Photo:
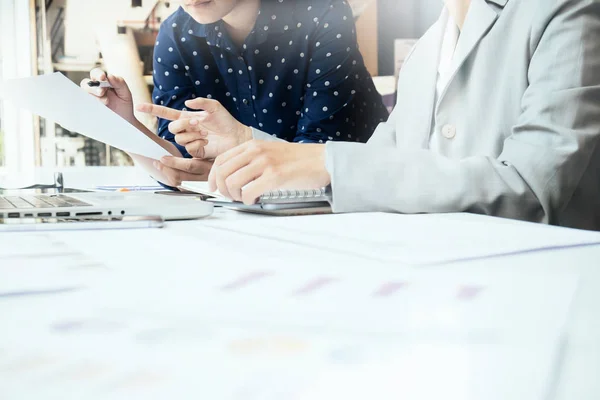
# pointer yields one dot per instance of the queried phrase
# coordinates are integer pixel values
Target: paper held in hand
(57, 99)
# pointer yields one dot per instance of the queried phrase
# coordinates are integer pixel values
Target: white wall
(85, 17)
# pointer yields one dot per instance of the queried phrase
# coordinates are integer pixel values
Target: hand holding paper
(56, 98)
(112, 91)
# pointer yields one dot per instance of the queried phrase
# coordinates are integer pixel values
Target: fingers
(225, 169)
(189, 165)
(98, 74)
(189, 133)
(220, 161)
(186, 125)
(94, 91)
(237, 183)
(256, 188)
(201, 103)
(178, 169)
(197, 149)
(119, 86)
(169, 114)
(186, 138)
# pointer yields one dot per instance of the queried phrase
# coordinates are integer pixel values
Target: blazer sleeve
(542, 162)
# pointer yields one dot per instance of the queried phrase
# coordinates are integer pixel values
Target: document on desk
(170, 323)
(57, 99)
(412, 239)
(106, 361)
(128, 346)
(352, 295)
(40, 264)
(360, 300)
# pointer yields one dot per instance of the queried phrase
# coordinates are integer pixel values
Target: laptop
(47, 205)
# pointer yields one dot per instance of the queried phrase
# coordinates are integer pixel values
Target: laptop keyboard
(39, 201)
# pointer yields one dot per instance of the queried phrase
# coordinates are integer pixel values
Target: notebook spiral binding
(301, 195)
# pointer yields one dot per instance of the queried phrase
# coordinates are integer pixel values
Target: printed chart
(41, 264)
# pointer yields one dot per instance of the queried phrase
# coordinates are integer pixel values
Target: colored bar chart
(246, 280)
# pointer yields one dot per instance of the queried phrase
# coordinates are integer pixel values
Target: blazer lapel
(480, 19)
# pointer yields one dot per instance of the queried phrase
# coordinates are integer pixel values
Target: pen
(98, 84)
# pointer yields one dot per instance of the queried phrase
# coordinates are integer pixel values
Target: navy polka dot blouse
(299, 75)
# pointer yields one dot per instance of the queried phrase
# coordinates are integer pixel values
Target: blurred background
(74, 36)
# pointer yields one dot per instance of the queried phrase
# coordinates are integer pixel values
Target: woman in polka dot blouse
(291, 69)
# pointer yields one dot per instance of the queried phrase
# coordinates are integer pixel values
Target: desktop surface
(174, 260)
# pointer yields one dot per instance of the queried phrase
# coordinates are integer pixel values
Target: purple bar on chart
(246, 280)
(390, 288)
(314, 285)
(87, 326)
(469, 292)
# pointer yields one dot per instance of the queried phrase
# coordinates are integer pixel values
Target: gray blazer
(520, 122)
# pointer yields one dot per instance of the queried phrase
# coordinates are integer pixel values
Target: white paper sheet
(35, 263)
(58, 99)
(73, 346)
(195, 314)
(357, 299)
(229, 364)
(204, 189)
(207, 278)
(413, 239)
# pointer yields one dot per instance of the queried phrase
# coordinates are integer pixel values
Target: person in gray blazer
(498, 113)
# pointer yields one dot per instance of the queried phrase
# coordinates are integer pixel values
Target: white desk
(581, 368)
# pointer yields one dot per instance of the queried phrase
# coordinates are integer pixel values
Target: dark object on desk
(178, 194)
(278, 209)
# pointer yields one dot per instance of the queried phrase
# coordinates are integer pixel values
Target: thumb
(201, 103)
(119, 86)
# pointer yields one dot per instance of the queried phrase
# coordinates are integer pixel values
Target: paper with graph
(134, 348)
(215, 320)
(38, 264)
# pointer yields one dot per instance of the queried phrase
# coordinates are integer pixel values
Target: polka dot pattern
(298, 76)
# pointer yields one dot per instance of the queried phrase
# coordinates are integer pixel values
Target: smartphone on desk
(80, 223)
(278, 209)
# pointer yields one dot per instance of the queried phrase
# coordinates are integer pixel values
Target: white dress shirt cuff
(260, 135)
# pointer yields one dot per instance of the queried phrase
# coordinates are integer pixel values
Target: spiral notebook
(274, 197)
